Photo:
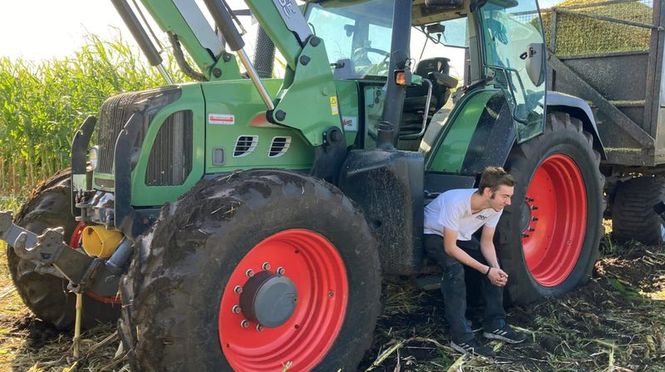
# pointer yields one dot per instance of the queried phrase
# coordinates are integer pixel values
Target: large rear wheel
(259, 270)
(46, 295)
(548, 239)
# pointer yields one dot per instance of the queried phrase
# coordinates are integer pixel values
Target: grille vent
(279, 146)
(245, 145)
(171, 155)
(116, 111)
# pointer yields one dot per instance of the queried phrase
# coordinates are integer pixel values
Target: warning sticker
(333, 105)
(350, 123)
(221, 119)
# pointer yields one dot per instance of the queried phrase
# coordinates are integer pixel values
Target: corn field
(42, 105)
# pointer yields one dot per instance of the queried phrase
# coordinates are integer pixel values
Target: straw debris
(616, 322)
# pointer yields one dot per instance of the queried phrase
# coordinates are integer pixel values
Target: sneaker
(506, 334)
(473, 347)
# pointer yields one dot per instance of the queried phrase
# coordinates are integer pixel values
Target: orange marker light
(401, 78)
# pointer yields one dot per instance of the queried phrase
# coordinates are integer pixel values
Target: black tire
(46, 295)
(633, 217)
(565, 142)
(174, 285)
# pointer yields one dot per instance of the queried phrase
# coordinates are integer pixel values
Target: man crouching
(450, 222)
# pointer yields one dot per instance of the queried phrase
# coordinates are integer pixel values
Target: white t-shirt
(452, 209)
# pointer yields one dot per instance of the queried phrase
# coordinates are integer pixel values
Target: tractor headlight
(92, 157)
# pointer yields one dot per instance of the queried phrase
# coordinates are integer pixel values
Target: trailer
(610, 53)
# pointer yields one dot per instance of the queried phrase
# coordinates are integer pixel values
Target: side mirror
(535, 60)
(435, 28)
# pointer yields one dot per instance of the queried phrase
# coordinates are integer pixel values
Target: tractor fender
(579, 108)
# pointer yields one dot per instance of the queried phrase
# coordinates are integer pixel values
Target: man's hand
(497, 277)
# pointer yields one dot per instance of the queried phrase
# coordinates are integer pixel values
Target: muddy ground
(616, 322)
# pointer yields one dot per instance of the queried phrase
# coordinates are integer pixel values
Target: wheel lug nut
(236, 309)
(534, 219)
(331, 294)
(265, 266)
(531, 229)
(249, 273)
(525, 235)
(237, 289)
(259, 328)
(280, 271)
(244, 323)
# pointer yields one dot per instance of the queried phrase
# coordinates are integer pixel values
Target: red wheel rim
(557, 201)
(75, 242)
(316, 269)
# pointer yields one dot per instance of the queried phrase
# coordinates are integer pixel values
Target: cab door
(512, 47)
(504, 101)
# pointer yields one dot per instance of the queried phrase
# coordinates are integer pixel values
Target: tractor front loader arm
(49, 251)
(308, 76)
(185, 24)
(307, 99)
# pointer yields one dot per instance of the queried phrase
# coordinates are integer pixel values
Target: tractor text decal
(221, 119)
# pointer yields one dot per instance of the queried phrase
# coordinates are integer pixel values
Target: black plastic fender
(579, 108)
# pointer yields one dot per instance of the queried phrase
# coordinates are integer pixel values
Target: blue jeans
(453, 287)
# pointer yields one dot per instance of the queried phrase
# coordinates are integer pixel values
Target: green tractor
(247, 222)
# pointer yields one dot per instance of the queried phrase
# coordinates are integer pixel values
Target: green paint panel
(310, 100)
(450, 151)
(234, 109)
(347, 94)
(143, 195)
(229, 69)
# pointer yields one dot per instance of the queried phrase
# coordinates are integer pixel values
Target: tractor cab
(453, 46)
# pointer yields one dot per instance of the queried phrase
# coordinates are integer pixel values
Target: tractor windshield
(357, 36)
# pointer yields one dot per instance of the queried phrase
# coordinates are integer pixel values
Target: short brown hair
(493, 177)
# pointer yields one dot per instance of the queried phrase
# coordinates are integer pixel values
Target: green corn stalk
(42, 104)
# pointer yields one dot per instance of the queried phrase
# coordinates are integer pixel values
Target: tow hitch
(49, 250)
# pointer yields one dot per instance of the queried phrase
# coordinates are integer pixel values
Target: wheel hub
(268, 299)
(301, 334)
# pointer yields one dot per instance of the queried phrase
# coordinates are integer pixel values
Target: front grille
(171, 155)
(117, 110)
(279, 146)
(245, 145)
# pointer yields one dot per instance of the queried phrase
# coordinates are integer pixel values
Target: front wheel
(547, 240)
(260, 270)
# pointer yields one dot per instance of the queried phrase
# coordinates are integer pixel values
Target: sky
(45, 29)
